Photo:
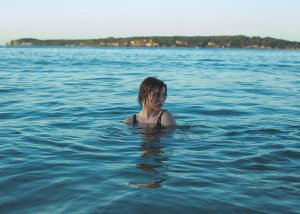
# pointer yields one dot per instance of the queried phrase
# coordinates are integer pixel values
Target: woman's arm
(128, 120)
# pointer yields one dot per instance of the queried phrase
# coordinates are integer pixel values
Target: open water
(64, 148)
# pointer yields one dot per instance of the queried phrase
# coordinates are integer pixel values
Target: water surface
(64, 149)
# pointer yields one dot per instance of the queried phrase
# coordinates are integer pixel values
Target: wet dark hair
(150, 84)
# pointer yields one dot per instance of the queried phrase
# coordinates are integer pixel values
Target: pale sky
(91, 19)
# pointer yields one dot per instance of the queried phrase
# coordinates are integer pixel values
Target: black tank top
(158, 123)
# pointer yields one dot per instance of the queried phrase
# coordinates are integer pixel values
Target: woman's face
(156, 99)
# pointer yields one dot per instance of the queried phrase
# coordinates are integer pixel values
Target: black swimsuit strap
(158, 123)
(134, 119)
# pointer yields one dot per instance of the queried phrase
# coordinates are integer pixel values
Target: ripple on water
(63, 144)
(216, 112)
(269, 131)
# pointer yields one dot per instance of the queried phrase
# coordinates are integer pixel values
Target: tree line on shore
(169, 41)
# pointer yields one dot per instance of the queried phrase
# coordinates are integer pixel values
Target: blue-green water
(64, 149)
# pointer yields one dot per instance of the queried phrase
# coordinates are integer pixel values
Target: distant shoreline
(168, 41)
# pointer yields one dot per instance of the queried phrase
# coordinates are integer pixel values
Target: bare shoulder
(128, 120)
(167, 119)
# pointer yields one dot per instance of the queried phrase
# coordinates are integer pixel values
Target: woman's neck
(148, 112)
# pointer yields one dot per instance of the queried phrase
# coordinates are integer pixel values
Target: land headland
(169, 41)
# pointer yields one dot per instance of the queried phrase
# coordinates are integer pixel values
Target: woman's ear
(149, 98)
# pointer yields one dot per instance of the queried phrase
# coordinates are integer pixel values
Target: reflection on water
(150, 133)
(152, 162)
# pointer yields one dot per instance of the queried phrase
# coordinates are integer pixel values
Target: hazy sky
(81, 19)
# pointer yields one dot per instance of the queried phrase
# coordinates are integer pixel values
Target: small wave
(223, 112)
(9, 90)
(42, 62)
(270, 131)
(5, 90)
(295, 126)
(258, 91)
(283, 65)
(259, 167)
(6, 115)
(259, 163)
(51, 103)
(265, 130)
(233, 133)
(210, 60)
(289, 154)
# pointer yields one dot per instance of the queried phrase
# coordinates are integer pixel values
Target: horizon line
(116, 37)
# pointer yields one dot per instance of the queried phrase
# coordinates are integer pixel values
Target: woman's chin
(158, 107)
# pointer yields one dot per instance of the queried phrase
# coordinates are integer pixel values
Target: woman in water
(152, 95)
